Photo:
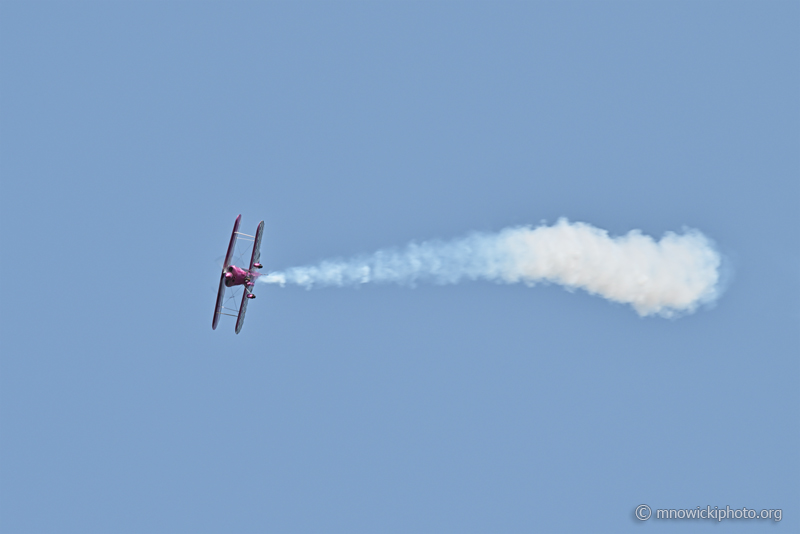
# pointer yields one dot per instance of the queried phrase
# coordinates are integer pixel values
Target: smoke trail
(668, 277)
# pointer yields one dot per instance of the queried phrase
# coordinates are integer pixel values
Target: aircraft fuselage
(234, 276)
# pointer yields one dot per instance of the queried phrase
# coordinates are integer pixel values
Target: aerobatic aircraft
(233, 276)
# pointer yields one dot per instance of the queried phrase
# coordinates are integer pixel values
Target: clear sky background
(133, 134)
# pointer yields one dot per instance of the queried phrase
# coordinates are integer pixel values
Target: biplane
(233, 276)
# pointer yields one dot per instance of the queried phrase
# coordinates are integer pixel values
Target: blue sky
(132, 136)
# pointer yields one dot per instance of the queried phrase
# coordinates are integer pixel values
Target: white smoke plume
(667, 277)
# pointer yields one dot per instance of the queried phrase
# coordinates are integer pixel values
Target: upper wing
(232, 244)
(221, 290)
(257, 245)
(242, 308)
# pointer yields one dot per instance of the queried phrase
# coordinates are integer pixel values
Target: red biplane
(236, 276)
